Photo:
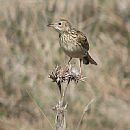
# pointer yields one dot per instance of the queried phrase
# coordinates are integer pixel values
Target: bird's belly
(72, 50)
(74, 54)
(69, 45)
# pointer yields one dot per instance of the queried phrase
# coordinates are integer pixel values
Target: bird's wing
(81, 39)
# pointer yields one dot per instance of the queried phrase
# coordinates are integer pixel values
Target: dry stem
(44, 115)
(83, 114)
(62, 75)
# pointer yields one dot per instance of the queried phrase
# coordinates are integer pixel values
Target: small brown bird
(73, 42)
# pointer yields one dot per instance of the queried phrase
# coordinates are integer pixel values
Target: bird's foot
(82, 78)
(80, 75)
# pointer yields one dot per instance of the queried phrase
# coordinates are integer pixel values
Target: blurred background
(29, 51)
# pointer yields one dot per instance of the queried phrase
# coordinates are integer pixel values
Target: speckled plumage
(73, 42)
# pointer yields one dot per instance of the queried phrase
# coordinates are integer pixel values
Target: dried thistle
(64, 74)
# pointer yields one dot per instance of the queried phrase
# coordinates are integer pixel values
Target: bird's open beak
(50, 25)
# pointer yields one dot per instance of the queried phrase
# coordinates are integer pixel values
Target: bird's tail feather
(88, 59)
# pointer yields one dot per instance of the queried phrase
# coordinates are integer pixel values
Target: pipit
(73, 42)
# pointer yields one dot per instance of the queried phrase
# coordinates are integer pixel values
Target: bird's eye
(59, 23)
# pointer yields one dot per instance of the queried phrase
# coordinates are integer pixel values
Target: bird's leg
(80, 64)
(69, 60)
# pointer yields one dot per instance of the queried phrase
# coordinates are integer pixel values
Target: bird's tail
(88, 59)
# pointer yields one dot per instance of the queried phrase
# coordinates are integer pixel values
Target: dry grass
(29, 50)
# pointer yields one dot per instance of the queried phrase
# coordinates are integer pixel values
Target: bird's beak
(50, 25)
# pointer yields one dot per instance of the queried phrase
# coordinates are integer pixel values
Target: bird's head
(61, 26)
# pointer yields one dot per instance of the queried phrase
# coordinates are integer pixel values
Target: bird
(73, 42)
